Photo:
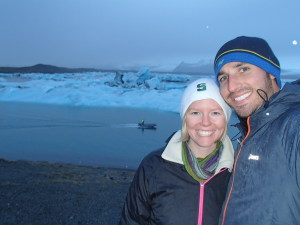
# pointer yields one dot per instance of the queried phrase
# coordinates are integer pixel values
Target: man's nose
(234, 83)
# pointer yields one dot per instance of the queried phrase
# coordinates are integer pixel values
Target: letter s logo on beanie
(201, 87)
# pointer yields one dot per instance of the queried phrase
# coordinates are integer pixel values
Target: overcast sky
(118, 33)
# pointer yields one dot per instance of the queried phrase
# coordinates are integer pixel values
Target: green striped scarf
(201, 169)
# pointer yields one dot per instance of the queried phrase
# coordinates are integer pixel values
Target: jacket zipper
(201, 199)
(233, 173)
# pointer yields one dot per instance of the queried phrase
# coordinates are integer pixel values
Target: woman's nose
(206, 120)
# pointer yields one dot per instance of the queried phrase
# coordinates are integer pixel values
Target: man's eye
(222, 78)
(244, 69)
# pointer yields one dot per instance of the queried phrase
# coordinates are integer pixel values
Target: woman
(185, 182)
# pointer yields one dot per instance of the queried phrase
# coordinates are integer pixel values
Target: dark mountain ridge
(42, 68)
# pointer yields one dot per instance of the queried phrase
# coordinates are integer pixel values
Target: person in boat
(185, 182)
(144, 125)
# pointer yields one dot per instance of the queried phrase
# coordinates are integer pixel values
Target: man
(265, 184)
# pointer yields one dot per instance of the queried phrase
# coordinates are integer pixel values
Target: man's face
(239, 83)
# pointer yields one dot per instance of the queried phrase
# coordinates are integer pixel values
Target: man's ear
(272, 76)
(274, 83)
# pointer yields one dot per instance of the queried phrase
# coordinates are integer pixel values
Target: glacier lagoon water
(96, 136)
(92, 136)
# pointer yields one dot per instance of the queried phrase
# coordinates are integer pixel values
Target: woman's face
(205, 124)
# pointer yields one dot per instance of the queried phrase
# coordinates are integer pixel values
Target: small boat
(147, 125)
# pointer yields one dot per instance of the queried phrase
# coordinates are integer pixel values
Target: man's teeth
(242, 97)
(205, 133)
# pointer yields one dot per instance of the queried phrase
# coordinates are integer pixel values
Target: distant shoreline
(50, 69)
(42, 68)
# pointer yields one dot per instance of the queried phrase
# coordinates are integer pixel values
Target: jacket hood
(172, 152)
(288, 95)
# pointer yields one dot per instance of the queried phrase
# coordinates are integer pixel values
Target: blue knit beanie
(251, 50)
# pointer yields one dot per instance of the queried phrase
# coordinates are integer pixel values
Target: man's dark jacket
(265, 185)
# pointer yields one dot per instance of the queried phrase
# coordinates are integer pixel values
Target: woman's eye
(216, 113)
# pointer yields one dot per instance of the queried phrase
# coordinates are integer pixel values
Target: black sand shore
(42, 193)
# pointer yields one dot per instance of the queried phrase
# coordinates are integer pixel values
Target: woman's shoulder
(151, 163)
(153, 157)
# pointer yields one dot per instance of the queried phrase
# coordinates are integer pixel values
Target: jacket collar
(279, 103)
(172, 152)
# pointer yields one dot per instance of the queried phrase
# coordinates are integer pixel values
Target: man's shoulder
(293, 86)
(292, 113)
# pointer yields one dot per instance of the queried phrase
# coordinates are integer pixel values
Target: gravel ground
(42, 193)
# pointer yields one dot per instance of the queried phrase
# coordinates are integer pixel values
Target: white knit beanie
(203, 89)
